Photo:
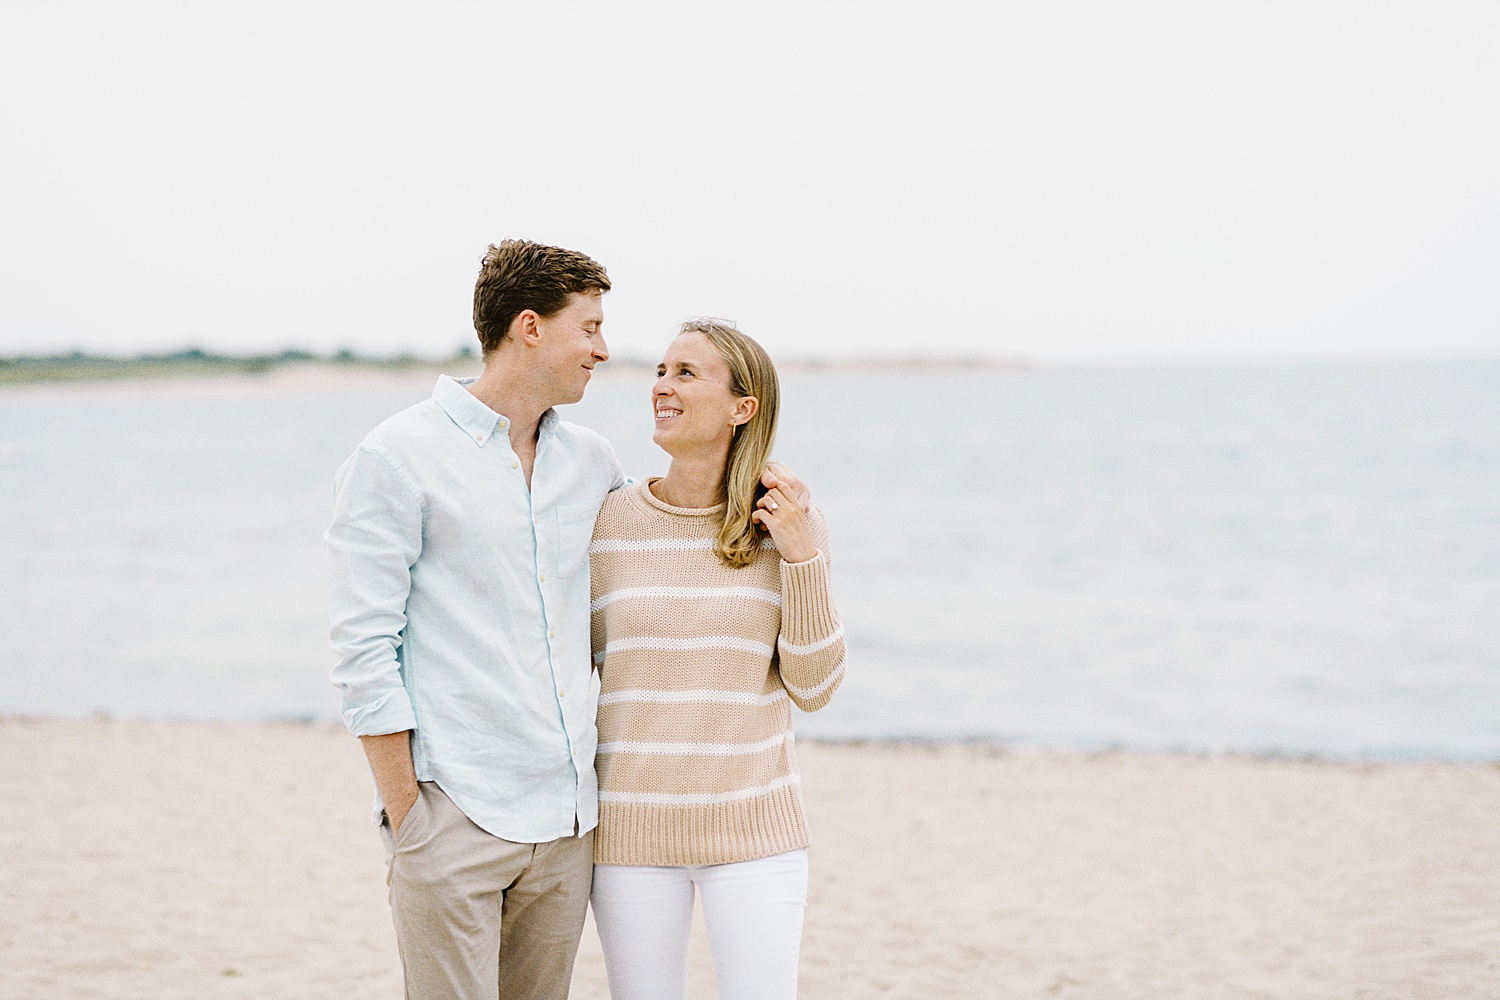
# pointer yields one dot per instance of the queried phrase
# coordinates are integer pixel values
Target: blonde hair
(751, 373)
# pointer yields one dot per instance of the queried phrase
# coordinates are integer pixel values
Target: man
(460, 614)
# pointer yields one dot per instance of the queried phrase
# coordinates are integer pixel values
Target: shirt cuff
(390, 713)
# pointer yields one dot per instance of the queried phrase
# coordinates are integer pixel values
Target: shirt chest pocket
(574, 529)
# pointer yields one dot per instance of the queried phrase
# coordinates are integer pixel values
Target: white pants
(753, 911)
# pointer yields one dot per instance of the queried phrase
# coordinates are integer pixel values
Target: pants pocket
(402, 837)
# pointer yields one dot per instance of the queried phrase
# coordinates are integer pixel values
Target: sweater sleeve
(810, 647)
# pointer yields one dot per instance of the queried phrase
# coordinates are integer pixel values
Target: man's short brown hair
(517, 275)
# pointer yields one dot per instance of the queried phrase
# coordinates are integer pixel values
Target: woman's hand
(785, 519)
(777, 475)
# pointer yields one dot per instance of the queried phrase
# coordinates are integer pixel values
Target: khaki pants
(481, 918)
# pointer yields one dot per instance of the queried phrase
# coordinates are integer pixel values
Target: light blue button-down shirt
(460, 607)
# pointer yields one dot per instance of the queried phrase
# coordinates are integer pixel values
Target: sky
(1055, 182)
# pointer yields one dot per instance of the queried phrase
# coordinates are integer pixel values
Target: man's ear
(526, 328)
(744, 410)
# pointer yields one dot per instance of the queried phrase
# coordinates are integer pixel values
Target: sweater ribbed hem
(641, 834)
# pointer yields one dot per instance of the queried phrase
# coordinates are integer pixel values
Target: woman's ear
(744, 410)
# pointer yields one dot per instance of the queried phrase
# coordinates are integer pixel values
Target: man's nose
(601, 350)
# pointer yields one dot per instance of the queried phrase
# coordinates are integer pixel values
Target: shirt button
(542, 577)
(479, 437)
(514, 464)
(562, 694)
(552, 635)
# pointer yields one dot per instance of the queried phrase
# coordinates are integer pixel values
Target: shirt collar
(476, 420)
(472, 417)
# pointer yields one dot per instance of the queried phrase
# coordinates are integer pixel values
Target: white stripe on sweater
(698, 642)
(694, 749)
(812, 647)
(746, 698)
(685, 594)
(665, 799)
(658, 544)
(809, 693)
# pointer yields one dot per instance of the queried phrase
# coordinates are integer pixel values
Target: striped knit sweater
(699, 665)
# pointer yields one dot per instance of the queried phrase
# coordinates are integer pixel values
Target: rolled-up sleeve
(374, 540)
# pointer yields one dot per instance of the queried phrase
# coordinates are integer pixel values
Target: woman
(711, 615)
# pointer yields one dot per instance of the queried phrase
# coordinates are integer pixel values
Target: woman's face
(696, 410)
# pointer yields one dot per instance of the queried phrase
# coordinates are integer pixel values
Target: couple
(468, 621)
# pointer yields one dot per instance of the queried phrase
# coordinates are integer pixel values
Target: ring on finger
(773, 506)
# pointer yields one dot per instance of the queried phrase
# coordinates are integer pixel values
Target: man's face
(572, 343)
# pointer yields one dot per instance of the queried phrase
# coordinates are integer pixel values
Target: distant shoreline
(81, 367)
(343, 367)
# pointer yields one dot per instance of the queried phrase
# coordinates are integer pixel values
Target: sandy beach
(157, 860)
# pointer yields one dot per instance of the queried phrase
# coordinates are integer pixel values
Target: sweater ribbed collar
(651, 498)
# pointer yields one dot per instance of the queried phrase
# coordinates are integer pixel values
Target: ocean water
(1298, 558)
